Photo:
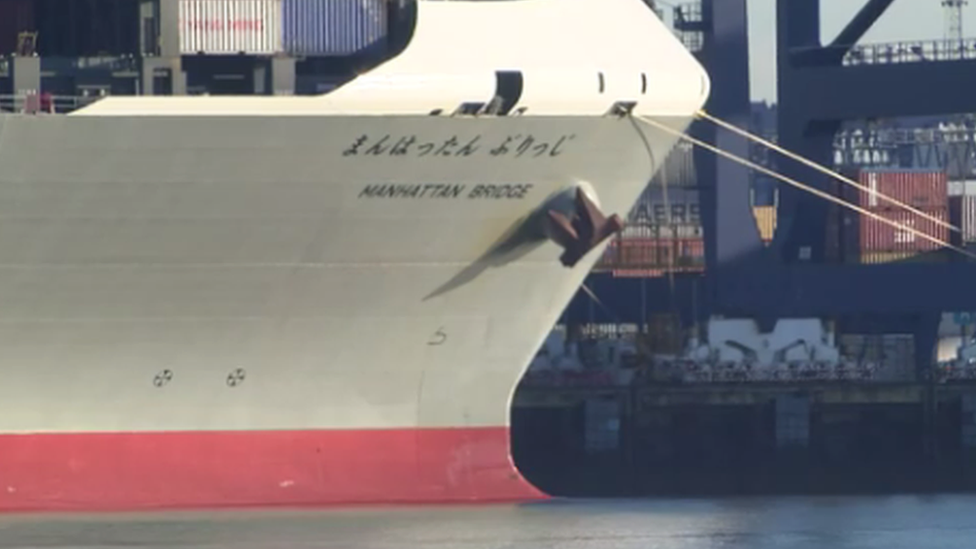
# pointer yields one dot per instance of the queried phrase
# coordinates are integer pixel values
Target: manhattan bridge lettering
(442, 191)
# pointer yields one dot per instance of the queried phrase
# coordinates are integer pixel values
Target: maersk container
(16, 16)
(332, 28)
(917, 188)
(878, 236)
(229, 27)
(676, 206)
(676, 254)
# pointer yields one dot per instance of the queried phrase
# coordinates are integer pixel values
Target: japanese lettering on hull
(513, 146)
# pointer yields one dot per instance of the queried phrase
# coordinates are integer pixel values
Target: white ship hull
(201, 310)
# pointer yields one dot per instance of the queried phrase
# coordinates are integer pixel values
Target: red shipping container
(654, 253)
(654, 273)
(16, 16)
(917, 188)
(878, 236)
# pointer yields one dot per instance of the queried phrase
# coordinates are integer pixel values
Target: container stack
(663, 234)
(332, 27)
(298, 28)
(879, 242)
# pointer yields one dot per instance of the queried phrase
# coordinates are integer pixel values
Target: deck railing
(921, 51)
(43, 103)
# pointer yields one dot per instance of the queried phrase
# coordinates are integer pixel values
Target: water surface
(898, 522)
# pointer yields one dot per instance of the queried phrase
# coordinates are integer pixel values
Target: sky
(904, 20)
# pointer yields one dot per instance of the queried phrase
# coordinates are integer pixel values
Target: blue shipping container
(332, 27)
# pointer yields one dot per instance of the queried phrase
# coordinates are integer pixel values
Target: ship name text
(512, 146)
(443, 191)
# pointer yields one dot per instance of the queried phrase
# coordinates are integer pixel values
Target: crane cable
(823, 169)
(802, 186)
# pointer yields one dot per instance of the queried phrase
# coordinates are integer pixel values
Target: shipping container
(229, 27)
(16, 16)
(956, 188)
(968, 217)
(651, 231)
(962, 188)
(666, 206)
(766, 221)
(652, 273)
(875, 258)
(333, 27)
(667, 254)
(917, 188)
(877, 236)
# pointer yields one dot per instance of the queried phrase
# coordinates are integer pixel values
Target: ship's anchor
(583, 231)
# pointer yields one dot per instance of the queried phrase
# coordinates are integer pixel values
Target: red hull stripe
(205, 469)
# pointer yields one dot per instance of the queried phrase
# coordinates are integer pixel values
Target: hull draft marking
(439, 338)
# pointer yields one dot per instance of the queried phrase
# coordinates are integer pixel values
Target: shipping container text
(658, 214)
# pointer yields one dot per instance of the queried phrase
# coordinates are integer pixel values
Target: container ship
(225, 301)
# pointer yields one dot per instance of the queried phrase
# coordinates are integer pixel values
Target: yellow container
(766, 221)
